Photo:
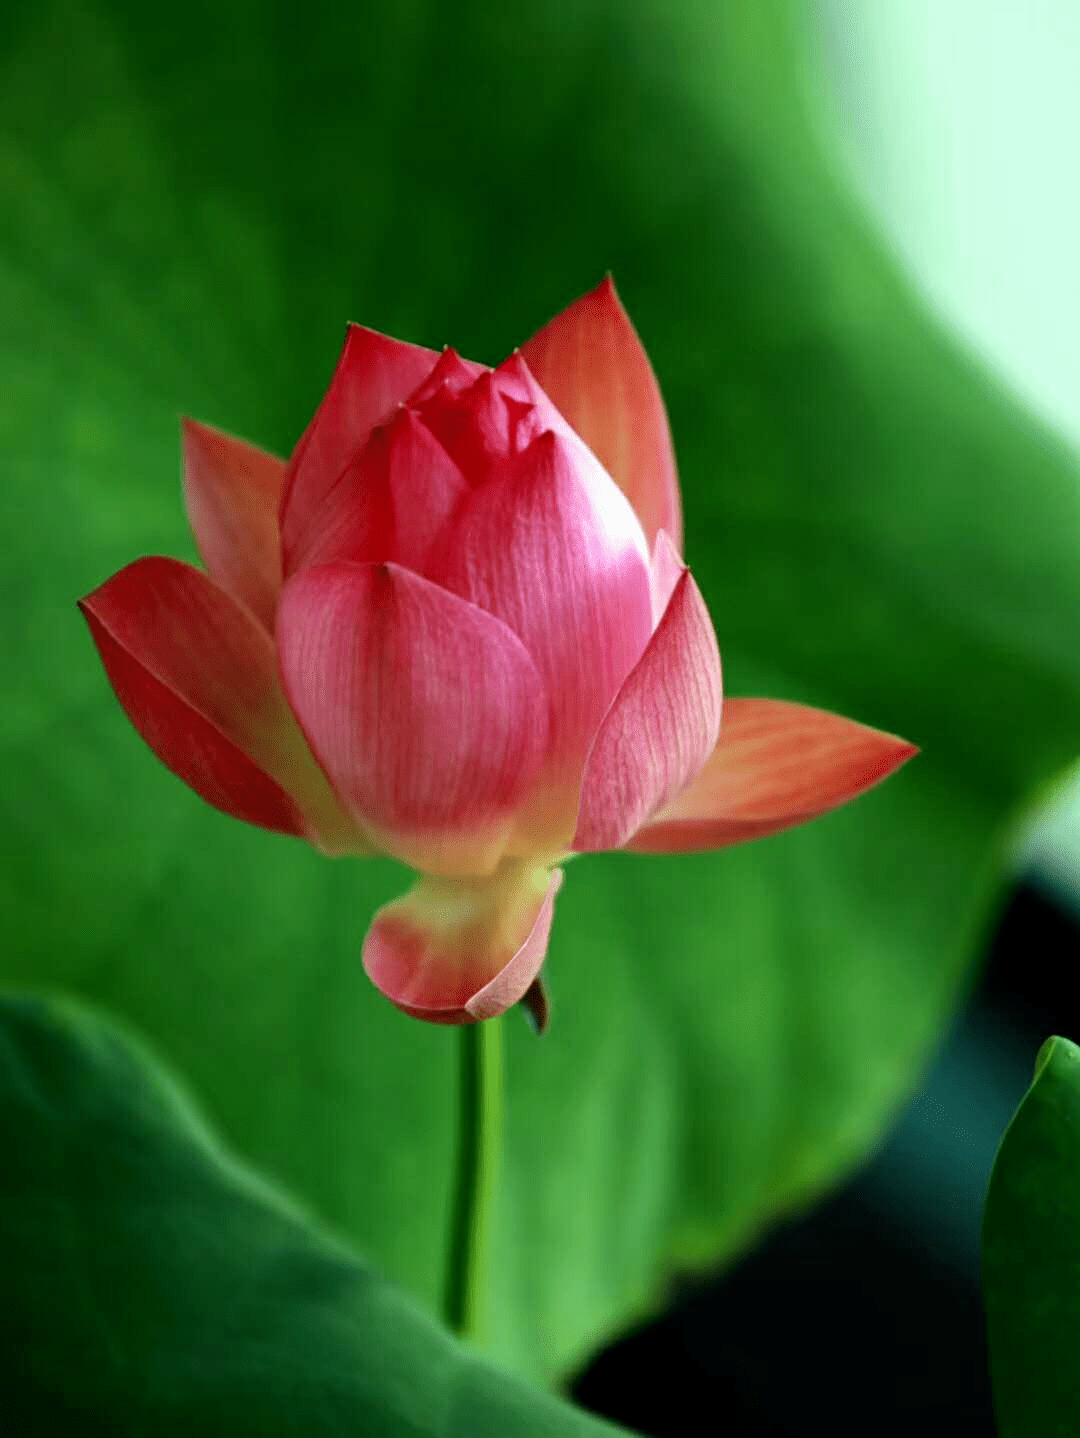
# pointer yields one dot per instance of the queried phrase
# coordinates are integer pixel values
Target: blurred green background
(193, 204)
(956, 125)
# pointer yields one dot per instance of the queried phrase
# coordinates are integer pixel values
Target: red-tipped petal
(427, 714)
(591, 362)
(454, 952)
(476, 426)
(197, 677)
(451, 374)
(373, 374)
(555, 551)
(392, 503)
(232, 491)
(660, 729)
(776, 765)
(496, 415)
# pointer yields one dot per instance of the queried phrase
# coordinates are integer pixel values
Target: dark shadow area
(866, 1312)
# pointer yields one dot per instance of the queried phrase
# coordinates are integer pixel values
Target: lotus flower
(455, 628)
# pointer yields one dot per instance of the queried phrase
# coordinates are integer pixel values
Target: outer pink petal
(776, 765)
(427, 714)
(590, 361)
(197, 677)
(392, 503)
(552, 548)
(373, 374)
(453, 952)
(660, 729)
(232, 491)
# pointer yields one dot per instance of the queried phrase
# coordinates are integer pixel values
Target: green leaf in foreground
(150, 1284)
(1031, 1255)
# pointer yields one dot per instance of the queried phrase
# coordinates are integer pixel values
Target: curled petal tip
(455, 951)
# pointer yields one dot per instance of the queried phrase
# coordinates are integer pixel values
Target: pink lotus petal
(519, 386)
(554, 550)
(489, 420)
(660, 729)
(455, 951)
(776, 765)
(427, 714)
(666, 571)
(392, 504)
(373, 374)
(590, 361)
(232, 491)
(451, 375)
(447, 402)
(197, 677)
(475, 426)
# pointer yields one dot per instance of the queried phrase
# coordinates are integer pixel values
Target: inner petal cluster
(530, 603)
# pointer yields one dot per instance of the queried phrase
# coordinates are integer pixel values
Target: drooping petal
(456, 951)
(777, 764)
(660, 729)
(232, 491)
(591, 362)
(428, 714)
(373, 374)
(391, 504)
(553, 549)
(197, 677)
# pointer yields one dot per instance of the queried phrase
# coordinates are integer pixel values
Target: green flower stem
(480, 1050)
